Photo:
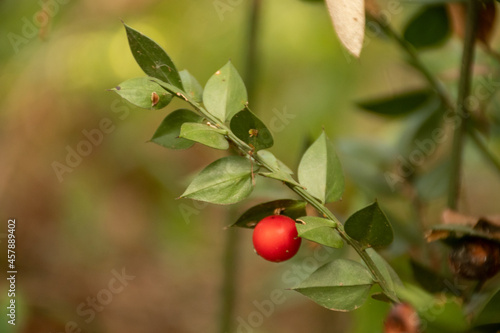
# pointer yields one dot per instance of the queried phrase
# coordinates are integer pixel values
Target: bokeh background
(115, 210)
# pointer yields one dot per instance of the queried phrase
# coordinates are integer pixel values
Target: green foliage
(370, 227)
(144, 93)
(400, 104)
(341, 285)
(430, 27)
(287, 207)
(152, 59)
(319, 230)
(251, 130)
(225, 93)
(204, 134)
(225, 181)
(167, 134)
(320, 171)
(191, 86)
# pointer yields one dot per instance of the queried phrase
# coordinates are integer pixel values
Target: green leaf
(251, 130)
(270, 159)
(152, 59)
(319, 230)
(167, 134)
(225, 181)
(370, 227)
(320, 171)
(287, 207)
(205, 134)
(144, 93)
(191, 86)
(428, 28)
(387, 272)
(225, 93)
(341, 285)
(489, 312)
(441, 313)
(400, 104)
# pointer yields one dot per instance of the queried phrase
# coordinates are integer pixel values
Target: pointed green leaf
(225, 93)
(281, 176)
(251, 130)
(319, 230)
(387, 272)
(225, 181)
(341, 285)
(400, 104)
(191, 86)
(144, 93)
(270, 159)
(320, 171)
(428, 28)
(370, 227)
(167, 134)
(152, 59)
(204, 134)
(287, 207)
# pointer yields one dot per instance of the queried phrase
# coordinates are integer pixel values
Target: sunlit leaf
(167, 134)
(320, 171)
(152, 59)
(251, 130)
(319, 230)
(348, 18)
(287, 207)
(204, 134)
(225, 93)
(144, 93)
(191, 86)
(370, 227)
(225, 181)
(341, 285)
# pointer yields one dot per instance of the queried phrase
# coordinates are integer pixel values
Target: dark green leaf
(144, 93)
(397, 105)
(428, 28)
(191, 86)
(287, 207)
(225, 181)
(489, 312)
(251, 130)
(319, 230)
(320, 171)
(152, 59)
(370, 227)
(225, 93)
(341, 285)
(204, 134)
(167, 134)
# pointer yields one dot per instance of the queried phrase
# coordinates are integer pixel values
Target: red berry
(275, 238)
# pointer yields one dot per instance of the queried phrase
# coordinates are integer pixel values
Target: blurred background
(102, 243)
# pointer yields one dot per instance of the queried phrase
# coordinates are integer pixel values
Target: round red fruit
(275, 238)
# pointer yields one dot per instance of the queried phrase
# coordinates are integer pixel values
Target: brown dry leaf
(348, 17)
(486, 20)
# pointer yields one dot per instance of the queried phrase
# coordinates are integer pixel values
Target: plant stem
(484, 149)
(461, 111)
